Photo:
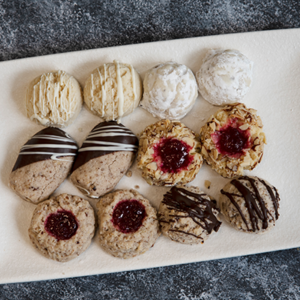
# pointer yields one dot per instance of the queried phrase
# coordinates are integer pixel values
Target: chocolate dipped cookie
(103, 159)
(43, 164)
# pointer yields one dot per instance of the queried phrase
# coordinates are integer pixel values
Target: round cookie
(225, 76)
(250, 204)
(187, 215)
(113, 90)
(103, 159)
(233, 140)
(168, 154)
(170, 91)
(54, 99)
(44, 162)
(128, 224)
(62, 227)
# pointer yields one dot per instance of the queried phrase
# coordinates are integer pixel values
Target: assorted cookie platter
(198, 169)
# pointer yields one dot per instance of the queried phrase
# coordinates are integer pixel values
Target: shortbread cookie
(225, 76)
(250, 204)
(103, 159)
(128, 223)
(168, 154)
(187, 215)
(233, 140)
(113, 90)
(62, 227)
(170, 91)
(54, 99)
(44, 162)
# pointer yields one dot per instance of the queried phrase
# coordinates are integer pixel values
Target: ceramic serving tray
(275, 94)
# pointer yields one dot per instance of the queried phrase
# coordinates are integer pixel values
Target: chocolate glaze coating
(106, 138)
(49, 143)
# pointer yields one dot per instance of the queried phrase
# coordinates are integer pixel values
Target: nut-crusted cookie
(168, 154)
(233, 140)
(250, 204)
(62, 227)
(44, 162)
(103, 159)
(187, 215)
(128, 223)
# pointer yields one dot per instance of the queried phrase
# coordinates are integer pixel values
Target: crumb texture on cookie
(170, 91)
(44, 162)
(250, 204)
(233, 140)
(187, 215)
(54, 99)
(168, 154)
(113, 90)
(225, 76)
(103, 159)
(130, 233)
(51, 228)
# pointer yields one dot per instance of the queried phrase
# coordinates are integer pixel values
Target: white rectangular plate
(275, 94)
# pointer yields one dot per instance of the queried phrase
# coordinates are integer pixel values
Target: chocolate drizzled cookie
(250, 204)
(105, 156)
(188, 215)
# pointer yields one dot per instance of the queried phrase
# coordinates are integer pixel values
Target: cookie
(250, 204)
(128, 224)
(168, 154)
(62, 227)
(54, 99)
(233, 140)
(103, 159)
(44, 162)
(225, 76)
(170, 91)
(187, 215)
(113, 90)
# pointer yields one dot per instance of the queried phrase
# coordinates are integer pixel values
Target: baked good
(170, 91)
(103, 159)
(225, 76)
(128, 224)
(44, 162)
(250, 204)
(187, 215)
(233, 140)
(62, 227)
(168, 154)
(113, 90)
(54, 99)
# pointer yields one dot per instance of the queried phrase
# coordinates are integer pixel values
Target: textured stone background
(33, 28)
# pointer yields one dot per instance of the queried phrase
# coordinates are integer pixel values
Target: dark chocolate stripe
(254, 202)
(106, 138)
(199, 209)
(49, 143)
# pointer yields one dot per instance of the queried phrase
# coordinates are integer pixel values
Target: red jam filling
(232, 141)
(62, 225)
(128, 216)
(172, 155)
